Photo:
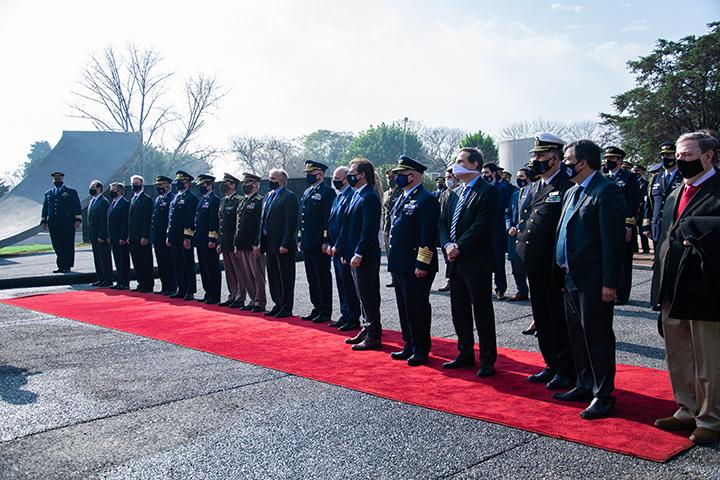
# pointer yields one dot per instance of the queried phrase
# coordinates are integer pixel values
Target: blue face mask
(311, 178)
(403, 180)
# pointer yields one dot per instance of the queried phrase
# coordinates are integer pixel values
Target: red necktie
(689, 192)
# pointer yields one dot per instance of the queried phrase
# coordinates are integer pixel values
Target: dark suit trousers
(281, 280)
(143, 262)
(592, 339)
(209, 265)
(103, 261)
(623, 292)
(413, 302)
(317, 269)
(548, 309)
(367, 287)
(184, 261)
(121, 255)
(166, 267)
(471, 298)
(63, 241)
(349, 303)
(500, 278)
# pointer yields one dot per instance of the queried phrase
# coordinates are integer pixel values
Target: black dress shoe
(599, 408)
(283, 314)
(321, 319)
(170, 293)
(357, 338)
(242, 307)
(460, 362)
(201, 300)
(226, 303)
(177, 295)
(309, 316)
(96, 284)
(337, 323)
(273, 311)
(390, 285)
(574, 395)
(59, 270)
(114, 287)
(529, 331)
(189, 297)
(401, 355)
(485, 371)
(122, 287)
(559, 381)
(417, 360)
(105, 284)
(368, 344)
(543, 376)
(258, 309)
(212, 301)
(347, 326)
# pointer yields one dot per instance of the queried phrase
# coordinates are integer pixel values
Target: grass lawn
(35, 248)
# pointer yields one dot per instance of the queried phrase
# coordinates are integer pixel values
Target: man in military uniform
(158, 235)
(639, 172)
(61, 215)
(252, 264)
(491, 174)
(227, 225)
(661, 186)
(315, 206)
(205, 239)
(181, 227)
(412, 259)
(389, 198)
(631, 190)
(538, 219)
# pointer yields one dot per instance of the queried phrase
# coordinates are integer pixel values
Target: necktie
(688, 193)
(561, 247)
(92, 202)
(266, 211)
(456, 213)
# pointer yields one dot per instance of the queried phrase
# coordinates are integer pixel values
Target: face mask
(160, 190)
(460, 170)
(521, 182)
(488, 178)
(402, 180)
(180, 185)
(668, 162)
(58, 183)
(113, 194)
(248, 189)
(273, 184)
(541, 166)
(137, 188)
(638, 175)
(450, 183)
(441, 186)
(352, 180)
(338, 184)
(311, 178)
(206, 188)
(392, 182)
(570, 170)
(690, 168)
(224, 188)
(611, 164)
(93, 191)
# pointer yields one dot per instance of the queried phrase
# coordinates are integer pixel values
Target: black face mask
(58, 183)
(352, 180)
(690, 168)
(611, 164)
(224, 188)
(541, 166)
(311, 178)
(273, 184)
(137, 188)
(391, 181)
(206, 188)
(669, 162)
(180, 185)
(521, 182)
(160, 190)
(113, 194)
(441, 186)
(93, 191)
(488, 178)
(338, 184)
(570, 170)
(402, 180)
(248, 189)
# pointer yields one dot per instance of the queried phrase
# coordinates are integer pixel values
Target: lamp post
(405, 120)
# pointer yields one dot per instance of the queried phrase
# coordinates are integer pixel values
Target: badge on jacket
(553, 197)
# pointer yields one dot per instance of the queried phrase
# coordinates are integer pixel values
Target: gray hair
(283, 174)
(705, 142)
(344, 170)
(119, 186)
(97, 183)
(137, 177)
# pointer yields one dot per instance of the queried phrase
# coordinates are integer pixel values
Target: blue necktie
(561, 247)
(456, 213)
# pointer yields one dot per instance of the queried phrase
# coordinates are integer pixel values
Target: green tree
(677, 91)
(4, 188)
(326, 146)
(158, 161)
(383, 144)
(484, 143)
(38, 151)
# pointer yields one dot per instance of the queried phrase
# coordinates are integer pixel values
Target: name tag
(316, 196)
(553, 197)
(250, 206)
(621, 183)
(181, 202)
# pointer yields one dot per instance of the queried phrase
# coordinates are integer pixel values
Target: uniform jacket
(628, 183)
(61, 208)
(315, 206)
(361, 226)
(247, 229)
(337, 213)
(159, 222)
(388, 201)
(658, 193)
(118, 220)
(227, 217)
(206, 220)
(280, 222)
(687, 275)
(499, 231)
(643, 185)
(97, 224)
(181, 217)
(596, 235)
(139, 218)
(414, 232)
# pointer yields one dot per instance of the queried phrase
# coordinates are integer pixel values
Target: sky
(294, 66)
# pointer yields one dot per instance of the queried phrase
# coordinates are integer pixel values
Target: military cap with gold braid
(162, 179)
(667, 148)
(229, 178)
(311, 165)
(250, 177)
(204, 178)
(59, 175)
(547, 141)
(180, 175)
(614, 152)
(407, 163)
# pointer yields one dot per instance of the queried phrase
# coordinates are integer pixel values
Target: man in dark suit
(466, 232)
(448, 199)
(180, 231)
(359, 246)
(490, 175)
(349, 303)
(139, 221)
(205, 239)
(97, 228)
(277, 239)
(227, 227)
(118, 233)
(252, 262)
(412, 259)
(61, 215)
(537, 226)
(688, 290)
(158, 235)
(631, 190)
(589, 248)
(315, 204)
(639, 171)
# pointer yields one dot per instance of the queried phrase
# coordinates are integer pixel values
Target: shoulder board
(258, 197)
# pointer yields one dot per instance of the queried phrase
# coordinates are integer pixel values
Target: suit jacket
(341, 202)
(181, 217)
(140, 218)
(361, 226)
(414, 233)
(596, 235)
(315, 204)
(118, 220)
(97, 222)
(538, 221)
(61, 208)
(206, 220)
(247, 230)
(692, 292)
(279, 224)
(499, 232)
(474, 229)
(628, 183)
(159, 221)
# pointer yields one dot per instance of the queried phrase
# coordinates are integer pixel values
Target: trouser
(209, 265)
(317, 269)
(518, 273)
(62, 237)
(102, 257)
(281, 280)
(184, 268)
(252, 271)
(623, 292)
(500, 244)
(592, 339)
(143, 262)
(366, 279)
(694, 367)
(548, 309)
(414, 310)
(121, 255)
(471, 301)
(166, 267)
(645, 243)
(349, 303)
(233, 278)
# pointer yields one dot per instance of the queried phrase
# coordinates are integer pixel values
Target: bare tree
(260, 154)
(603, 135)
(440, 144)
(527, 129)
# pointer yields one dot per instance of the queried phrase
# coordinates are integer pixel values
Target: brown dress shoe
(673, 424)
(357, 338)
(703, 436)
(500, 296)
(518, 298)
(368, 344)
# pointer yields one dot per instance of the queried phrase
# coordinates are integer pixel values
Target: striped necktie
(456, 213)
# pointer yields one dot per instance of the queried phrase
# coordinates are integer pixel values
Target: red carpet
(318, 352)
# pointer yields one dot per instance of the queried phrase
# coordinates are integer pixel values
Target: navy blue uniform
(118, 230)
(500, 236)
(158, 236)
(660, 188)
(181, 226)
(413, 245)
(315, 206)
(349, 303)
(60, 211)
(206, 230)
(628, 183)
(512, 220)
(643, 184)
